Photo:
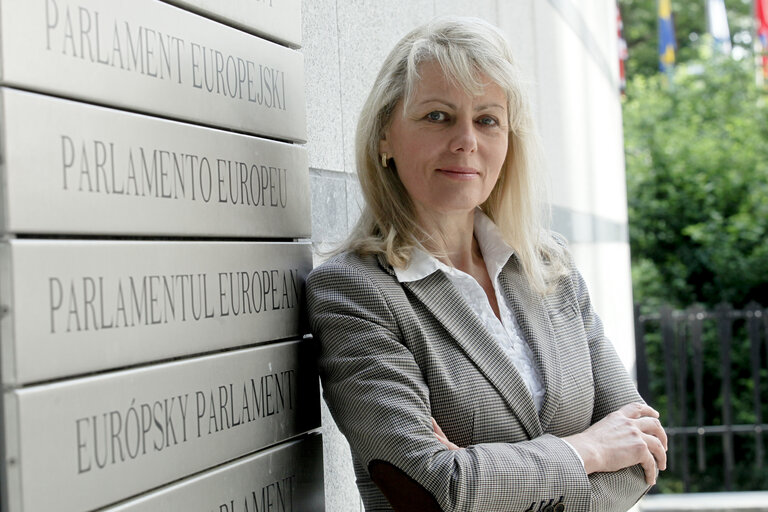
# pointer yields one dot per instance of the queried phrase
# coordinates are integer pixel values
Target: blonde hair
(464, 48)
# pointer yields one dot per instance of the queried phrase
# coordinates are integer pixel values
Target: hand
(632, 435)
(441, 436)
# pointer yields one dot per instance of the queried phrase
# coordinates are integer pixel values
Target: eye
(436, 116)
(488, 121)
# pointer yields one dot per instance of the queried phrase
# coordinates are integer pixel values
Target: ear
(384, 145)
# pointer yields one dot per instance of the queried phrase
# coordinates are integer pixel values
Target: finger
(441, 436)
(653, 427)
(437, 428)
(657, 450)
(444, 440)
(649, 467)
(663, 438)
(638, 410)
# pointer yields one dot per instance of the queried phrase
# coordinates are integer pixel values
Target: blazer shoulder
(560, 249)
(351, 273)
(568, 283)
(346, 264)
(353, 285)
(559, 239)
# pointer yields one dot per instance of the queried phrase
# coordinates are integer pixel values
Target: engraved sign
(75, 168)
(90, 442)
(286, 478)
(274, 19)
(153, 57)
(79, 306)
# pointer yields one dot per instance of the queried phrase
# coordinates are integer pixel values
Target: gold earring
(384, 160)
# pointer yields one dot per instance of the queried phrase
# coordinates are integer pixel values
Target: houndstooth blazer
(393, 354)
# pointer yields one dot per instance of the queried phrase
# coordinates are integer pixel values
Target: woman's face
(449, 146)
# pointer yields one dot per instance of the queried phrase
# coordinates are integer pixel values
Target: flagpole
(667, 44)
(757, 47)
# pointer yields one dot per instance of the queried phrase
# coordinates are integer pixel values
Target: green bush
(697, 185)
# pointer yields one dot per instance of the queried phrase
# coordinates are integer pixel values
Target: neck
(452, 237)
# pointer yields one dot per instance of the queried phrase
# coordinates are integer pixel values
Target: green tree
(697, 181)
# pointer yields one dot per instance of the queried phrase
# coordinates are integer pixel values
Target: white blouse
(496, 252)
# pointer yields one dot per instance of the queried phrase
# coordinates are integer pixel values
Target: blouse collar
(496, 252)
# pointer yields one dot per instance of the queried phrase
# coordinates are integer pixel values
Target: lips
(459, 172)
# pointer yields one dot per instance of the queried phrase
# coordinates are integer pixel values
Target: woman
(460, 355)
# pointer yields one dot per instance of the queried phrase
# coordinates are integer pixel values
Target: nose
(463, 137)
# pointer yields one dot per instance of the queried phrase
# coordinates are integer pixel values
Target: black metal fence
(707, 374)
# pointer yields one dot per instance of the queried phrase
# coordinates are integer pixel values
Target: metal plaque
(86, 443)
(152, 57)
(79, 306)
(274, 19)
(286, 478)
(75, 168)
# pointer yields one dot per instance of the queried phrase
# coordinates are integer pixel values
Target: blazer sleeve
(379, 399)
(620, 490)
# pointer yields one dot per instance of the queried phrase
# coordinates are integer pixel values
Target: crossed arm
(381, 402)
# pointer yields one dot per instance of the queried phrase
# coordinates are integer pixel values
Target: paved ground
(706, 502)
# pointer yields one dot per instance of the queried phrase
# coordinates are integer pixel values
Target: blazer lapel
(443, 300)
(531, 314)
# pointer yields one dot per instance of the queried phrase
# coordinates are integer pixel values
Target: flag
(623, 53)
(761, 14)
(667, 43)
(717, 24)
